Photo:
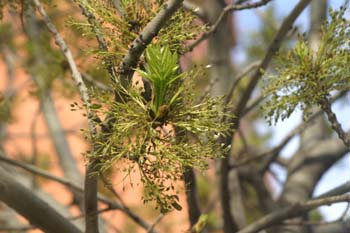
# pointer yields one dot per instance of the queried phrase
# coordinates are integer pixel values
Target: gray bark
(30, 206)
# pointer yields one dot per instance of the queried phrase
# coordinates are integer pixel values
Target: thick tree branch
(129, 62)
(292, 211)
(307, 167)
(240, 107)
(72, 185)
(32, 207)
(195, 9)
(191, 196)
(341, 189)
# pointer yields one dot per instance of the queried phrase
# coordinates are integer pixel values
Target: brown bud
(163, 111)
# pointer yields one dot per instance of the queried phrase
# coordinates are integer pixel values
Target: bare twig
(343, 216)
(308, 223)
(226, 10)
(158, 219)
(38, 171)
(239, 77)
(69, 184)
(90, 180)
(96, 83)
(272, 154)
(99, 37)
(111, 189)
(106, 209)
(332, 118)
(240, 107)
(255, 102)
(272, 49)
(73, 67)
(341, 189)
(292, 211)
(207, 89)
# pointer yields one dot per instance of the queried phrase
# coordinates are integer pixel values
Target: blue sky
(248, 21)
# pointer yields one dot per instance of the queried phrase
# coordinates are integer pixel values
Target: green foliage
(5, 108)
(12, 4)
(160, 150)
(305, 77)
(201, 224)
(6, 35)
(162, 71)
(121, 24)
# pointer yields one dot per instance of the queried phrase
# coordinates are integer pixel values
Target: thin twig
(96, 83)
(255, 102)
(344, 214)
(332, 118)
(272, 49)
(90, 181)
(239, 77)
(71, 185)
(73, 67)
(244, 141)
(111, 189)
(99, 37)
(241, 104)
(158, 219)
(103, 210)
(226, 10)
(274, 152)
(207, 89)
(308, 223)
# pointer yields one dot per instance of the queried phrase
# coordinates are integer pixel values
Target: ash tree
(177, 128)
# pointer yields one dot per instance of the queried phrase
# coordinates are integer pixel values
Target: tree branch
(273, 48)
(341, 189)
(129, 62)
(69, 184)
(226, 10)
(194, 211)
(332, 118)
(90, 181)
(292, 211)
(240, 107)
(99, 37)
(32, 207)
